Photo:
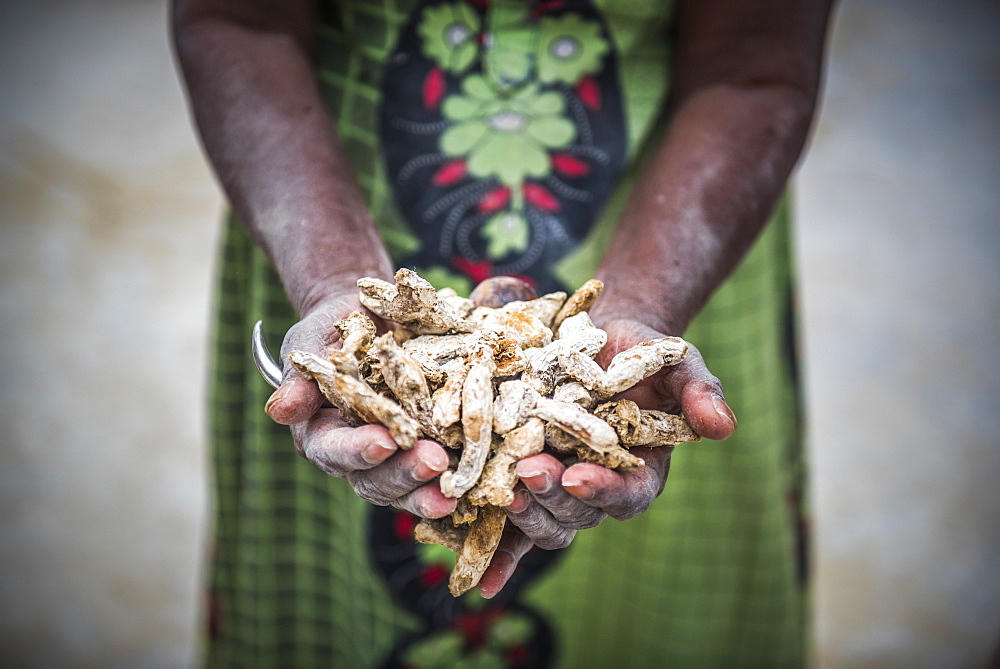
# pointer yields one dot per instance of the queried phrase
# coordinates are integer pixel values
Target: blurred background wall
(108, 221)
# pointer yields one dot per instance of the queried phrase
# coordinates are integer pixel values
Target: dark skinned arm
(247, 65)
(744, 91)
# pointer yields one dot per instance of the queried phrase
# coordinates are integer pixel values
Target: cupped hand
(552, 502)
(367, 456)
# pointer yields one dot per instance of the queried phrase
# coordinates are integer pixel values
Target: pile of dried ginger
(495, 385)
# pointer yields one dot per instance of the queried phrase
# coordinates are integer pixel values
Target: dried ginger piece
(524, 328)
(477, 423)
(406, 380)
(577, 333)
(412, 302)
(442, 349)
(573, 392)
(582, 300)
(513, 401)
(575, 420)
(561, 441)
(645, 427)
(496, 485)
(543, 308)
(477, 550)
(508, 359)
(441, 531)
(615, 457)
(447, 399)
(357, 332)
(356, 398)
(632, 365)
(465, 511)
(463, 306)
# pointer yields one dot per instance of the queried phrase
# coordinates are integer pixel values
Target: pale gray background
(109, 221)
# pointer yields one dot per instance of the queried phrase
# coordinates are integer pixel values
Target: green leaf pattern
(503, 121)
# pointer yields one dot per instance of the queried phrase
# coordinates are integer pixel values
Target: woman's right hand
(367, 457)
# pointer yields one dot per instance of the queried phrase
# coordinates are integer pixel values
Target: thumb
(701, 398)
(296, 400)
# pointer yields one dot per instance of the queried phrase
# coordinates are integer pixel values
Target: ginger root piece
(496, 486)
(442, 349)
(441, 531)
(560, 441)
(573, 392)
(615, 457)
(447, 400)
(524, 328)
(356, 398)
(645, 427)
(477, 423)
(577, 333)
(574, 419)
(357, 332)
(632, 365)
(514, 400)
(463, 306)
(406, 380)
(543, 308)
(465, 511)
(581, 300)
(477, 550)
(413, 303)
(508, 359)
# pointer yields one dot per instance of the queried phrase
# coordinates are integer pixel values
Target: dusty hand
(552, 502)
(367, 457)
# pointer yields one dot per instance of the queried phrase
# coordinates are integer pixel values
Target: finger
(400, 474)
(427, 501)
(622, 495)
(337, 449)
(542, 475)
(701, 398)
(528, 515)
(296, 400)
(514, 545)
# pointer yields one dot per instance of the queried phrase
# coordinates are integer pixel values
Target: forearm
(701, 202)
(276, 154)
(745, 84)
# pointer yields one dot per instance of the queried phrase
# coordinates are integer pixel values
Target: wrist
(637, 306)
(340, 288)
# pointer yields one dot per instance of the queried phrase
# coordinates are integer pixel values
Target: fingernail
(425, 469)
(428, 510)
(275, 397)
(536, 481)
(723, 410)
(376, 453)
(580, 489)
(520, 502)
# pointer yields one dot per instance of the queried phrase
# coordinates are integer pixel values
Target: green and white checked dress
(710, 576)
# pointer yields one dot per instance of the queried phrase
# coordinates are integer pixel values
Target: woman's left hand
(552, 502)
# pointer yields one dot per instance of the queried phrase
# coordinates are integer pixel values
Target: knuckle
(642, 491)
(320, 457)
(368, 489)
(560, 539)
(585, 521)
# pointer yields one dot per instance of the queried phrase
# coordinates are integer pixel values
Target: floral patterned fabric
(502, 157)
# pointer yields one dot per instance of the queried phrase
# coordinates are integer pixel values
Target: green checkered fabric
(707, 577)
